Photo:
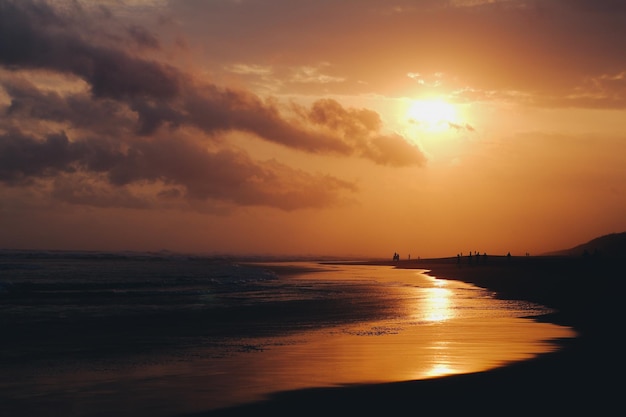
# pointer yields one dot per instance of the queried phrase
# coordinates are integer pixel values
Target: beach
(99, 334)
(579, 378)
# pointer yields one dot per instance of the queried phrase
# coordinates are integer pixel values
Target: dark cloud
(24, 158)
(362, 129)
(393, 150)
(85, 191)
(31, 105)
(113, 107)
(143, 37)
(159, 93)
(225, 175)
(352, 122)
(33, 35)
(214, 109)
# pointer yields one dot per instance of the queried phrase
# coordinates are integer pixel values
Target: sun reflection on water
(437, 307)
(441, 364)
(437, 303)
(440, 369)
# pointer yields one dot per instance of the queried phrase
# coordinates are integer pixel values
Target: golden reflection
(438, 306)
(440, 362)
(440, 369)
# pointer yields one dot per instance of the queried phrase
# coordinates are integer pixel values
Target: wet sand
(582, 378)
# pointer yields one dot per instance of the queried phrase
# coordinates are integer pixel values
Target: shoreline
(575, 378)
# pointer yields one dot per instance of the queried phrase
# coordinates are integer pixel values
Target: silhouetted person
(508, 256)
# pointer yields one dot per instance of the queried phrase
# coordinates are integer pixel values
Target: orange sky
(352, 128)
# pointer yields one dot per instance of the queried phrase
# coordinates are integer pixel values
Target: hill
(612, 245)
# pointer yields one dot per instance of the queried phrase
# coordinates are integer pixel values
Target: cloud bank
(84, 105)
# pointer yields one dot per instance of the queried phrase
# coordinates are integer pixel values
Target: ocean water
(89, 334)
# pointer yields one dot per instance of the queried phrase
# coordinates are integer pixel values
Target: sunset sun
(432, 115)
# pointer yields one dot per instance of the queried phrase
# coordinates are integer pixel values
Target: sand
(584, 377)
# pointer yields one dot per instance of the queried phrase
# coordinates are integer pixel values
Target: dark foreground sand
(583, 378)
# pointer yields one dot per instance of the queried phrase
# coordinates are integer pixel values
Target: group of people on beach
(396, 256)
(470, 257)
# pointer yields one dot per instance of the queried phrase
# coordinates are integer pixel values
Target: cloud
(165, 164)
(32, 107)
(127, 116)
(158, 93)
(87, 190)
(143, 37)
(543, 48)
(34, 35)
(314, 75)
(458, 126)
(22, 157)
(362, 129)
(247, 69)
(602, 91)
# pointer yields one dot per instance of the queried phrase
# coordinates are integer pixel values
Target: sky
(315, 128)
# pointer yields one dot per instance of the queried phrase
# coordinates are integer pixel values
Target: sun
(432, 115)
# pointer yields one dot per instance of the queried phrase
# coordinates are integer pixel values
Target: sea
(164, 334)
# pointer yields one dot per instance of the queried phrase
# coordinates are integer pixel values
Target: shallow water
(180, 335)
